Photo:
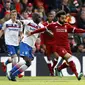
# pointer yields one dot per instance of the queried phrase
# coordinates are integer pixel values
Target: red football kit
(59, 41)
(45, 40)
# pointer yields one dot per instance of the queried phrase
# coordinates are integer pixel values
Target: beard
(61, 22)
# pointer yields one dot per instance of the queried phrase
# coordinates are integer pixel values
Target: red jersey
(47, 41)
(60, 32)
(45, 38)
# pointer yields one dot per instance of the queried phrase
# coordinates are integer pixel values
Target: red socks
(50, 69)
(73, 68)
(71, 65)
(54, 63)
(64, 65)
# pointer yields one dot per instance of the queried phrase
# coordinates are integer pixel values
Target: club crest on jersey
(56, 26)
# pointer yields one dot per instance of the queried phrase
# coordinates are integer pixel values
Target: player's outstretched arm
(74, 29)
(38, 31)
(79, 31)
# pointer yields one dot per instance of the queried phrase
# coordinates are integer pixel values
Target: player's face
(37, 19)
(50, 17)
(14, 16)
(62, 18)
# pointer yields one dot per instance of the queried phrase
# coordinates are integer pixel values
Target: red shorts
(50, 49)
(59, 49)
(68, 49)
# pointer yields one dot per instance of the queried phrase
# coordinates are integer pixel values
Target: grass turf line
(43, 81)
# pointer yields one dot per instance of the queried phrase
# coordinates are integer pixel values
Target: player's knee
(22, 62)
(28, 63)
(70, 59)
(67, 56)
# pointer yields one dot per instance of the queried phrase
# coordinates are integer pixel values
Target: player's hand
(50, 33)
(22, 36)
(28, 33)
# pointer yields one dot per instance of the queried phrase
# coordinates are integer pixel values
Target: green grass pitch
(46, 80)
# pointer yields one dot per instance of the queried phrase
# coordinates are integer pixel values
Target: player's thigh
(61, 51)
(26, 50)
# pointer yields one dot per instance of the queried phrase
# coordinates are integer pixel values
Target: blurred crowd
(47, 9)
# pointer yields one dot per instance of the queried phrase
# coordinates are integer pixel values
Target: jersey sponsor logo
(61, 30)
(14, 29)
(12, 26)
